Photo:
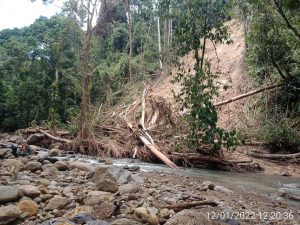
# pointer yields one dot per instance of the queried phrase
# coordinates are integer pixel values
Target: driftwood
(275, 156)
(186, 205)
(36, 130)
(154, 149)
(246, 95)
(243, 161)
(53, 137)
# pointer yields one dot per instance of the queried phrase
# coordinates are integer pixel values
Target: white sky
(20, 13)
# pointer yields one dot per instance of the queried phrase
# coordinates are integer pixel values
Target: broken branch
(53, 137)
(186, 205)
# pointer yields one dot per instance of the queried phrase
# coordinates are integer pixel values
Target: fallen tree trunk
(53, 137)
(246, 95)
(186, 205)
(275, 156)
(152, 147)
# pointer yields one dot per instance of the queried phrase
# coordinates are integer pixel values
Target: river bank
(71, 190)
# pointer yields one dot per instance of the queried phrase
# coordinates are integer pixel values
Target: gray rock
(134, 168)
(119, 175)
(192, 217)
(207, 185)
(105, 210)
(33, 166)
(34, 138)
(29, 191)
(12, 162)
(129, 189)
(3, 152)
(108, 185)
(8, 194)
(125, 221)
(222, 189)
(62, 166)
(59, 221)
(82, 218)
(9, 214)
(81, 166)
(15, 139)
(57, 203)
(50, 170)
(6, 153)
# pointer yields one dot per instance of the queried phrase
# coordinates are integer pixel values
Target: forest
(97, 98)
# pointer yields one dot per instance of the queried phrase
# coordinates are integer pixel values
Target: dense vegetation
(52, 70)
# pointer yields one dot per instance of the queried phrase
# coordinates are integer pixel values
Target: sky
(20, 13)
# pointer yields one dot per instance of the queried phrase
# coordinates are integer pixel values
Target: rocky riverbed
(42, 190)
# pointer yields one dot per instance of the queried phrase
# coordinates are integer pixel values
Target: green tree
(198, 22)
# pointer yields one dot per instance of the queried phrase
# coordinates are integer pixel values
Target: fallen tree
(53, 137)
(274, 156)
(246, 95)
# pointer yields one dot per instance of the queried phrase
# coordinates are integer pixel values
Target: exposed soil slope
(229, 60)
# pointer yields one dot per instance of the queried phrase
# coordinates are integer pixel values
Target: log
(53, 137)
(186, 205)
(156, 152)
(246, 95)
(275, 156)
(152, 147)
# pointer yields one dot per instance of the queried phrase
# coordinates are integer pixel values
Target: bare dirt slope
(229, 60)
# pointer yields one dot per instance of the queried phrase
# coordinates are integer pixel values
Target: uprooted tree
(199, 22)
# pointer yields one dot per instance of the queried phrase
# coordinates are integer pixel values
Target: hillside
(229, 60)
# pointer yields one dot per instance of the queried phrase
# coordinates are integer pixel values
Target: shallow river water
(269, 185)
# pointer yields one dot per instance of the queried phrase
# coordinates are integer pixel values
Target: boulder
(34, 138)
(8, 194)
(129, 188)
(82, 218)
(119, 175)
(28, 206)
(79, 209)
(44, 182)
(97, 197)
(6, 153)
(192, 216)
(54, 152)
(81, 166)
(207, 185)
(104, 210)
(57, 203)
(15, 139)
(145, 216)
(29, 191)
(62, 166)
(33, 166)
(3, 152)
(125, 221)
(50, 170)
(12, 163)
(108, 185)
(9, 213)
(164, 213)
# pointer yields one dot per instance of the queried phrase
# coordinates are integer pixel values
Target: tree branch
(279, 8)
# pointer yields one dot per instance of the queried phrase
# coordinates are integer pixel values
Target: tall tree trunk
(85, 123)
(159, 43)
(130, 39)
(166, 35)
